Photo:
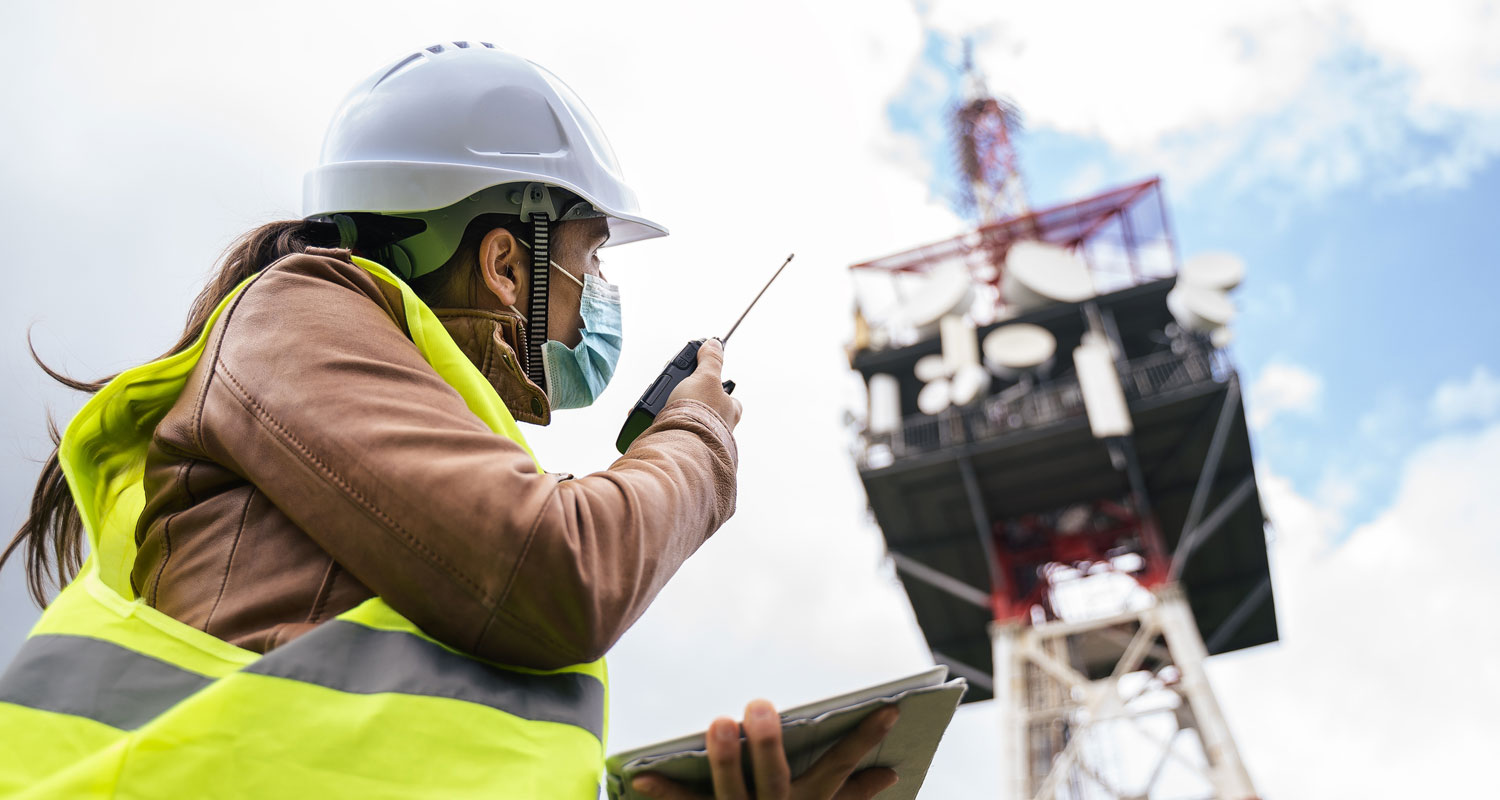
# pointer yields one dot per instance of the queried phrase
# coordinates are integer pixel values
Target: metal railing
(1033, 406)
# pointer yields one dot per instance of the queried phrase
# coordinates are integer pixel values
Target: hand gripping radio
(682, 365)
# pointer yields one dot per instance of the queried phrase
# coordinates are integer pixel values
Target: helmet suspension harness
(536, 205)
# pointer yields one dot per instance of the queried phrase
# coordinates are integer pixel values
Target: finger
(739, 410)
(773, 778)
(711, 358)
(867, 783)
(655, 786)
(842, 758)
(724, 760)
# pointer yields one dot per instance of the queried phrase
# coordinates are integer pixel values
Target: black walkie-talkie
(682, 365)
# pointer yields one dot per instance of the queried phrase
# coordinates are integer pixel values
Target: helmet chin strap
(537, 206)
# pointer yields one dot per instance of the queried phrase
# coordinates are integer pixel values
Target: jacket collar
(491, 341)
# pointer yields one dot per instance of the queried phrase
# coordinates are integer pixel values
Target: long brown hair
(52, 534)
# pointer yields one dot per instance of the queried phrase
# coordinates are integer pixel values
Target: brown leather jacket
(315, 459)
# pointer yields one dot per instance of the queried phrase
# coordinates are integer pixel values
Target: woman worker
(323, 561)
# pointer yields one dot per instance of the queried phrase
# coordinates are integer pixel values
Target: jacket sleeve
(318, 398)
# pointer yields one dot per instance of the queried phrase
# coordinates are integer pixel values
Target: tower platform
(944, 488)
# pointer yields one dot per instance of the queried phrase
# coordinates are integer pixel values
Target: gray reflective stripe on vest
(96, 679)
(353, 658)
(104, 682)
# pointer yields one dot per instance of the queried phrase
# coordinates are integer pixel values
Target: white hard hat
(468, 121)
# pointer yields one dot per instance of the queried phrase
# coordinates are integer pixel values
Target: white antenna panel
(1038, 274)
(947, 289)
(934, 397)
(1019, 346)
(1103, 398)
(960, 343)
(930, 368)
(1200, 309)
(969, 384)
(1214, 270)
(1221, 337)
(885, 403)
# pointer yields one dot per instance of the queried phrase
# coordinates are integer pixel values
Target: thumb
(711, 358)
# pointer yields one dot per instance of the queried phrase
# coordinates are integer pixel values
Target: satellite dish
(934, 397)
(1214, 270)
(1039, 274)
(1200, 309)
(947, 289)
(968, 385)
(1019, 346)
(930, 368)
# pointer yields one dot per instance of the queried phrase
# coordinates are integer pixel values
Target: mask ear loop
(566, 274)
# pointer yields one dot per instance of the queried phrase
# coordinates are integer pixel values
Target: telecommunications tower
(1056, 453)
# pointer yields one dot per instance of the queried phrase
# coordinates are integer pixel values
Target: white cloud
(1477, 399)
(1316, 94)
(1085, 180)
(1384, 639)
(1282, 388)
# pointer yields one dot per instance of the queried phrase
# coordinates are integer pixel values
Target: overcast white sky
(140, 139)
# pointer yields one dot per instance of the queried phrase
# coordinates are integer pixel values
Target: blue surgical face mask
(576, 376)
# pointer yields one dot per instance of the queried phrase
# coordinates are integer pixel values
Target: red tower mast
(983, 129)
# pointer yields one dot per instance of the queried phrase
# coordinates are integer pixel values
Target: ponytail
(52, 535)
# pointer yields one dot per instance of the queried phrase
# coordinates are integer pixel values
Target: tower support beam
(1210, 469)
(1195, 537)
(982, 526)
(1060, 719)
(941, 581)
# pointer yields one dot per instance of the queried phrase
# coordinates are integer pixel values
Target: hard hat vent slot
(461, 45)
(487, 44)
(437, 48)
(406, 62)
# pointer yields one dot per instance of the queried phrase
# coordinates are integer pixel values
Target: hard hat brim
(397, 187)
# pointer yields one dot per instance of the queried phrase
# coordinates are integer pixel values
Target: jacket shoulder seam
(223, 324)
(288, 439)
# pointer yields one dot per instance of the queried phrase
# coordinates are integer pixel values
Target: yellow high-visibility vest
(109, 697)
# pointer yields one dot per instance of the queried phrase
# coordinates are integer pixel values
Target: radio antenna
(763, 289)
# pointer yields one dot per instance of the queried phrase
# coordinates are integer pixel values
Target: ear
(499, 258)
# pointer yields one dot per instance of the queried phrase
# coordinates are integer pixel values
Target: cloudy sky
(1345, 149)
